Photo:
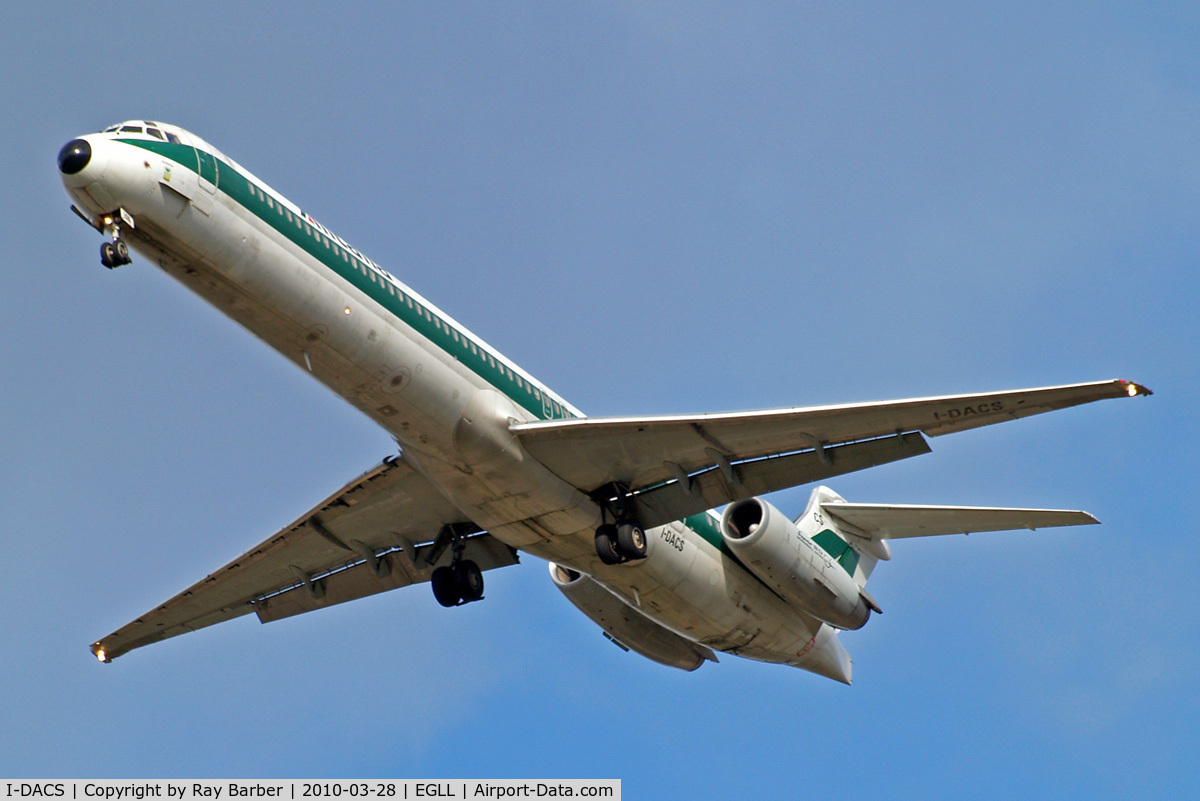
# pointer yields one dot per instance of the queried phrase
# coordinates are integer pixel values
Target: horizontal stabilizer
(895, 521)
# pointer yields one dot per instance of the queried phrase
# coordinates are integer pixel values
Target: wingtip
(1133, 389)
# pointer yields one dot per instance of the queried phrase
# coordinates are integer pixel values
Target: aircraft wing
(894, 521)
(381, 531)
(679, 465)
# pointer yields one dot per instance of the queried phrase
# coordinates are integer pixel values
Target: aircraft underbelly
(420, 394)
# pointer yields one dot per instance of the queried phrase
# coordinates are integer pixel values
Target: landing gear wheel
(631, 541)
(108, 254)
(469, 580)
(606, 545)
(445, 586)
(122, 252)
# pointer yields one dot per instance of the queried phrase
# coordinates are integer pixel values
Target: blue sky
(653, 208)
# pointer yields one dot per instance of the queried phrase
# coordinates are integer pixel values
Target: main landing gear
(622, 541)
(460, 582)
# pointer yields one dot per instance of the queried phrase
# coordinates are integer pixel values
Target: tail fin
(866, 527)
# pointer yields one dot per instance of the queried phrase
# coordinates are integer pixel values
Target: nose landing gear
(114, 254)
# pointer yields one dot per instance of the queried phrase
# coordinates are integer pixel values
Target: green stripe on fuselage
(702, 524)
(350, 267)
(365, 277)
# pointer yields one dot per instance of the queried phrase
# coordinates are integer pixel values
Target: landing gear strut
(622, 541)
(460, 582)
(115, 253)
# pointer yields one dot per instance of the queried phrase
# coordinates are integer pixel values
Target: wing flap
(395, 569)
(895, 521)
(370, 516)
(590, 452)
(714, 487)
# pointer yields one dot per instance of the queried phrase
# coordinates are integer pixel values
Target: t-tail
(821, 561)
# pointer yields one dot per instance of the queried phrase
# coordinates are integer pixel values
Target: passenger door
(207, 170)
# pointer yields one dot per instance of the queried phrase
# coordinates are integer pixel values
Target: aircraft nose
(74, 156)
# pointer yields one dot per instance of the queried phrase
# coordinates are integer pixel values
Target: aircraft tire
(631, 541)
(106, 255)
(121, 250)
(469, 579)
(445, 586)
(606, 545)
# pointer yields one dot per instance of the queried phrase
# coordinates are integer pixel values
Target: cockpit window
(157, 134)
(173, 138)
(111, 128)
(131, 129)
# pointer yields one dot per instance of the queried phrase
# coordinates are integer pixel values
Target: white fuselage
(446, 397)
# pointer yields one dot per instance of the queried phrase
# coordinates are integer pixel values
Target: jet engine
(812, 572)
(626, 626)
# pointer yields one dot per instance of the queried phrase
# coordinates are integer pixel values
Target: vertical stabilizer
(853, 547)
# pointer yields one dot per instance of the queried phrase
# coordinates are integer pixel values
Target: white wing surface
(379, 532)
(591, 452)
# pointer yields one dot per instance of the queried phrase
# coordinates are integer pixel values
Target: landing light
(346, 310)
(1132, 389)
(101, 655)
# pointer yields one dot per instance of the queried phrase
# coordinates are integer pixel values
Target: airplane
(491, 463)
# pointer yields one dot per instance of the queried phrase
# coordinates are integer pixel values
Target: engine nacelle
(792, 564)
(626, 626)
